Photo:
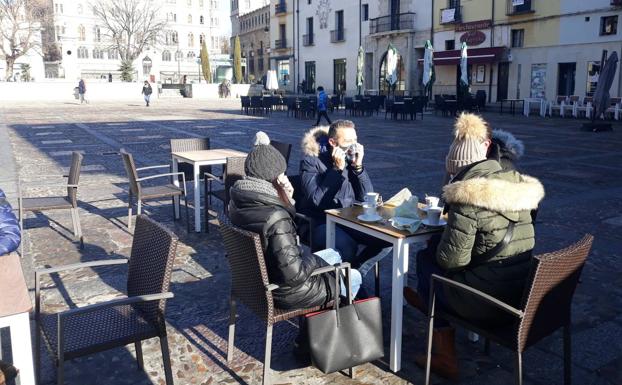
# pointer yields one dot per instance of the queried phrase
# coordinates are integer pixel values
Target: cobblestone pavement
(581, 171)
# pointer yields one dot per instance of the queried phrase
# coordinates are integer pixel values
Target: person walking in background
(322, 105)
(82, 91)
(10, 237)
(147, 90)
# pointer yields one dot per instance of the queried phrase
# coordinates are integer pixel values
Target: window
(179, 55)
(518, 37)
(365, 12)
(98, 53)
(593, 72)
(453, 3)
(189, 19)
(83, 53)
(200, 3)
(190, 39)
(608, 25)
(81, 33)
(450, 44)
(201, 19)
(189, 2)
(260, 64)
(191, 55)
(175, 37)
(308, 1)
(201, 38)
(80, 9)
(97, 33)
(113, 54)
(166, 55)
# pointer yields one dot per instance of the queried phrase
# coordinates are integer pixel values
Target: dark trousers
(320, 114)
(347, 242)
(426, 266)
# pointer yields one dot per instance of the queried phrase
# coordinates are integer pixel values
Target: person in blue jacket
(333, 176)
(10, 235)
(322, 105)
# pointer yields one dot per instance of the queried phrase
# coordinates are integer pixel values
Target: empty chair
(546, 306)
(232, 172)
(246, 103)
(64, 202)
(142, 193)
(266, 104)
(614, 108)
(284, 148)
(585, 108)
(572, 102)
(416, 107)
(558, 105)
(255, 105)
(118, 322)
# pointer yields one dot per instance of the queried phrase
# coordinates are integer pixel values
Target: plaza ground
(581, 172)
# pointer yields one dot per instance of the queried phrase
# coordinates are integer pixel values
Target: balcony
(518, 7)
(337, 35)
(451, 15)
(280, 8)
(308, 40)
(401, 21)
(616, 3)
(280, 44)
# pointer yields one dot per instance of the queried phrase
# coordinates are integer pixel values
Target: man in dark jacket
(333, 176)
(322, 106)
(257, 204)
(482, 202)
(9, 242)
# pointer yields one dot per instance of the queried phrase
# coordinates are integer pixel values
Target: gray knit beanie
(470, 132)
(264, 161)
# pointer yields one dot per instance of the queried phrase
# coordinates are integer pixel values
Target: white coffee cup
(434, 215)
(431, 201)
(369, 210)
(371, 198)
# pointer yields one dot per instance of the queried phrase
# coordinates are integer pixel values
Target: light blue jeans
(333, 257)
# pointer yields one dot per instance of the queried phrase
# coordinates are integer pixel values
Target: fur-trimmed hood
(510, 146)
(496, 193)
(314, 139)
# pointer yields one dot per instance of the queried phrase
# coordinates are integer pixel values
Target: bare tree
(130, 26)
(20, 25)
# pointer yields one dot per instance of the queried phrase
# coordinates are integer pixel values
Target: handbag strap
(499, 247)
(337, 289)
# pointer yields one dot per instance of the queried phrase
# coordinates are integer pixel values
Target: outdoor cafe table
(539, 101)
(512, 104)
(198, 159)
(15, 307)
(400, 240)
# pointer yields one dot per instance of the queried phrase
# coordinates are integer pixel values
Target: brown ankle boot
(444, 359)
(414, 299)
(7, 372)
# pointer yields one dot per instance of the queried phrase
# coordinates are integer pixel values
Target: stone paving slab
(580, 170)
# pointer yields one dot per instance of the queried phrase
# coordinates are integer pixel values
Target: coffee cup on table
(434, 215)
(369, 209)
(431, 202)
(371, 198)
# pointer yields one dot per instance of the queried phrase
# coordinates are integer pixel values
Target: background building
(252, 25)
(282, 39)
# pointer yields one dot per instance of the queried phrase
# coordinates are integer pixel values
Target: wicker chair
(284, 148)
(232, 172)
(121, 321)
(251, 287)
(151, 192)
(68, 202)
(545, 308)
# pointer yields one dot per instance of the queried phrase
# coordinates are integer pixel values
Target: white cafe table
(539, 101)
(400, 240)
(198, 159)
(15, 307)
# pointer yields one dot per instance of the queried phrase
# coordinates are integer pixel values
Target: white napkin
(397, 199)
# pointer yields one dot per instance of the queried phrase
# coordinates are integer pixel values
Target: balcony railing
(392, 23)
(280, 44)
(280, 8)
(451, 15)
(616, 3)
(337, 35)
(516, 8)
(308, 39)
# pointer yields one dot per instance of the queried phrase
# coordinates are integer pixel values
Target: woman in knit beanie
(472, 138)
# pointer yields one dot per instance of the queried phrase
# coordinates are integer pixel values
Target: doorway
(310, 76)
(565, 78)
(503, 79)
(339, 76)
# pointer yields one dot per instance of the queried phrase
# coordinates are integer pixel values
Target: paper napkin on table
(408, 209)
(397, 199)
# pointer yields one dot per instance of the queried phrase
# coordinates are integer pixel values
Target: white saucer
(369, 218)
(425, 209)
(441, 222)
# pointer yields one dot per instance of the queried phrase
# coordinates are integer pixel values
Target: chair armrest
(272, 287)
(330, 269)
(115, 302)
(476, 293)
(30, 185)
(213, 177)
(153, 167)
(28, 180)
(304, 217)
(183, 178)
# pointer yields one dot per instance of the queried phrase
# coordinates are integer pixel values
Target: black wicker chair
(232, 172)
(68, 202)
(545, 308)
(284, 148)
(121, 321)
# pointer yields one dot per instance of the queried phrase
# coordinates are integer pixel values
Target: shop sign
(473, 38)
(474, 25)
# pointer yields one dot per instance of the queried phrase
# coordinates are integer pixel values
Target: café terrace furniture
(400, 240)
(251, 287)
(284, 148)
(512, 103)
(558, 105)
(191, 144)
(197, 159)
(614, 108)
(233, 170)
(538, 102)
(168, 190)
(101, 326)
(546, 307)
(15, 307)
(45, 203)
(584, 107)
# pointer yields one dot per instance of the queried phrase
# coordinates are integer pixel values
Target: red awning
(476, 56)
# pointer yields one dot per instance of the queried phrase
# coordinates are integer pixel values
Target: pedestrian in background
(322, 105)
(147, 92)
(82, 91)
